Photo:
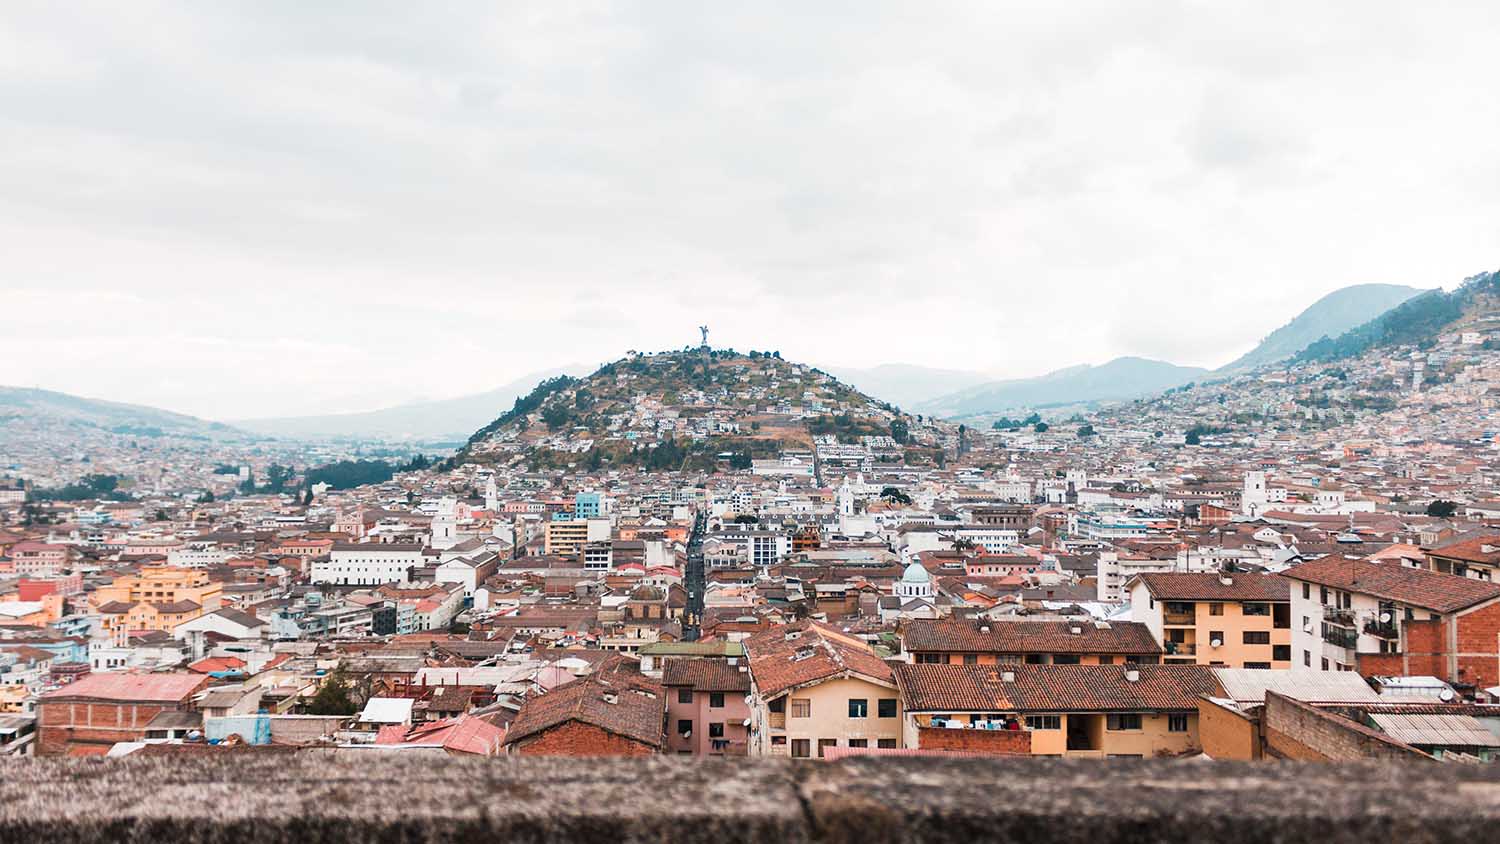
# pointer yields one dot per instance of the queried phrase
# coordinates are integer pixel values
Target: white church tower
(1254, 498)
(445, 524)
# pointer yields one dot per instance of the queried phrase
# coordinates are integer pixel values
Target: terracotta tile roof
(795, 655)
(710, 675)
(133, 688)
(635, 713)
(1470, 547)
(1054, 688)
(1023, 637)
(1207, 586)
(1431, 590)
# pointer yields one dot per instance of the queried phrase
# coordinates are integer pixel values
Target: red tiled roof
(1024, 637)
(1207, 586)
(816, 652)
(1393, 582)
(710, 675)
(1054, 688)
(635, 713)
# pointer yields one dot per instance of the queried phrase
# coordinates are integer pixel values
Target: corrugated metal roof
(1440, 730)
(1249, 685)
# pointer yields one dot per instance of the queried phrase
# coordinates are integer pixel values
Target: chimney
(1226, 578)
(984, 628)
(1076, 630)
(610, 698)
(1132, 675)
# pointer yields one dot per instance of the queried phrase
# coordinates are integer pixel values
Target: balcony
(1180, 618)
(1180, 648)
(778, 720)
(1383, 629)
(1342, 637)
(1339, 615)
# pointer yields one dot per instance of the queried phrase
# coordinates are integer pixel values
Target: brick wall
(1479, 646)
(575, 738)
(63, 723)
(1294, 730)
(1227, 733)
(998, 742)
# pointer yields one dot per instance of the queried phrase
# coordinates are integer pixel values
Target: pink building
(38, 558)
(706, 709)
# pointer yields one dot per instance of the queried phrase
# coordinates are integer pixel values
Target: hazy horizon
(256, 210)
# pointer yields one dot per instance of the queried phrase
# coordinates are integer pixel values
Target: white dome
(916, 573)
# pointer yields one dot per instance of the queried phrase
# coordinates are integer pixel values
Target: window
(715, 700)
(1255, 609)
(1281, 653)
(1325, 663)
(825, 743)
(801, 748)
(1307, 591)
(1177, 723)
(1065, 659)
(777, 705)
(1044, 722)
(1257, 665)
(971, 659)
(859, 707)
(886, 743)
(684, 727)
(1322, 594)
(1123, 721)
(778, 741)
(1216, 638)
(1307, 658)
(931, 659)
(1257, 637)
(1216, 608)
(684, 695)
(801, 707)
(716, 730)
(1106, 660)
(886, 707)
(859, 742)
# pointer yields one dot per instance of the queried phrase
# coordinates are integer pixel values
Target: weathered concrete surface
(378, 797)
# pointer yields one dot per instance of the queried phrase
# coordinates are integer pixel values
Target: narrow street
(694, 580)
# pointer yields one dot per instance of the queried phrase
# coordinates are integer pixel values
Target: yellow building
(1229, 619)
(813, 688)
(1094, 711)
(568, 537)
(159, 598)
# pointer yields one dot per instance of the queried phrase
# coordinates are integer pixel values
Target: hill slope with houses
(693, 409)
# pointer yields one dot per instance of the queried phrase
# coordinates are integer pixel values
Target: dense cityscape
(717, 553)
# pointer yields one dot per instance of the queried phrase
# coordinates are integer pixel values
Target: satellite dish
(1214, 643)
(1385, 618)
(1445, 695)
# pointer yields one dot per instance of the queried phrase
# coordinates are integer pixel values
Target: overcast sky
(281, 208)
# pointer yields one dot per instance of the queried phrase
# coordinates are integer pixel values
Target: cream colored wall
(830, 719)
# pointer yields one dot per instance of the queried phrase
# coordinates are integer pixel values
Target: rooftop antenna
(704, 330)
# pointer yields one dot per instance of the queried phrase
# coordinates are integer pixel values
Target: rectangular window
(1255, 609)
(1323, 594)
(1216, 608)
(859, 742)
(971, 659)
(825, 743)
(1066, 659)
(801, 707)
(859, 707)
(1177, 723)
(684, 695)
(1044, 722)
(801, 748)
(684, 727)
(715, 730)
(886, 707)
(1106, 660)
(1257, 665)
(1257, 637)
(1281, 653)
(931, 659)
(715, 700)
(886, 743)
(1307, 591)
(1120, 721)
(1307, 658)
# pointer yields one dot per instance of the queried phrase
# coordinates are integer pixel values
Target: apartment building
(367, 563)
(1382, 618)
(1230, 619)
(814, 688)
(706, 708)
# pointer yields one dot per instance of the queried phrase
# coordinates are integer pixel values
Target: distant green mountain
(1121, 378)
(1330, 316)
(60, 409)
(1417, 321)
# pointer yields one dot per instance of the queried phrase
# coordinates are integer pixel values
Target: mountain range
(46, 407)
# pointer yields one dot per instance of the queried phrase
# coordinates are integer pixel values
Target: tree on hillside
(1442, 509)
(1085, 431)
(900, 431)
(893, 494)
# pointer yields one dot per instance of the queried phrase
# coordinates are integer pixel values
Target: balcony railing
(1180, 648)
(1339, 615)
(1180, 618)
(1383, 629)
(1342, 637)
